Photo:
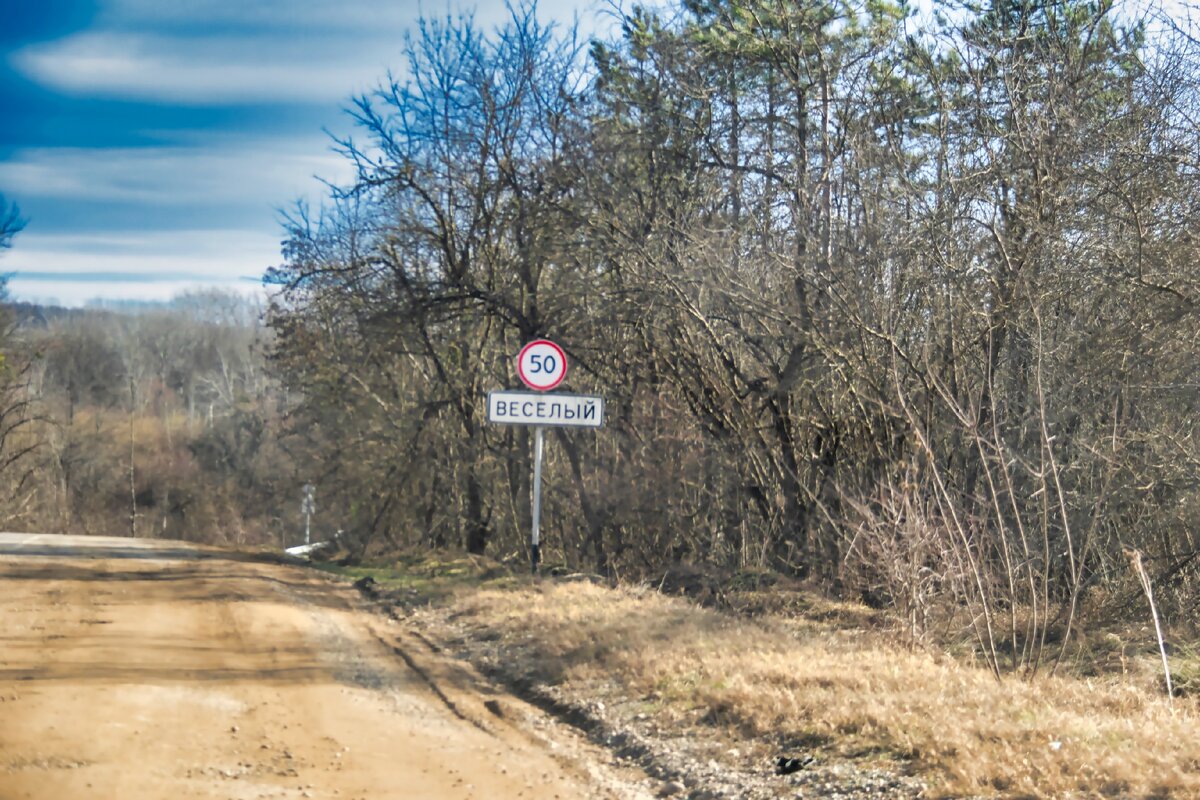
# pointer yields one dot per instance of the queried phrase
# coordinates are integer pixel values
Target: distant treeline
(149, 420)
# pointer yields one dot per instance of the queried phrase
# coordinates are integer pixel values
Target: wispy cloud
(124, 277)
(288, 16)
(80, 292)
(224, 51)
(239, 172)
(151, 256)
(152, 148)
(203, 71)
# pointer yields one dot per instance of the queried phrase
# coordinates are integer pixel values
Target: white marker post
(307, 507)
(542, 365)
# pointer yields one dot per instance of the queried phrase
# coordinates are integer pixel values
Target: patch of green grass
(414, 578)
(1185, 670)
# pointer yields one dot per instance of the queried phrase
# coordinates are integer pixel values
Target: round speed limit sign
(542, 365)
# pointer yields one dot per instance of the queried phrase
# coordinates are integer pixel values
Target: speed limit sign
(542, 365)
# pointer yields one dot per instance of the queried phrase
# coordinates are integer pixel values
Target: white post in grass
(307, 506)
(1135, 560)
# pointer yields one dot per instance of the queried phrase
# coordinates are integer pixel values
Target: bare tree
(11, 222)
(857, 293)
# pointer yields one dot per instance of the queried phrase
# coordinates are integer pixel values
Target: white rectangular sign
(536, 408)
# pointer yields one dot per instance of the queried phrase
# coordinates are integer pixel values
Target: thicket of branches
(901, 305)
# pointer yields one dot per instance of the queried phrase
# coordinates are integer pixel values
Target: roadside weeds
(709, 699)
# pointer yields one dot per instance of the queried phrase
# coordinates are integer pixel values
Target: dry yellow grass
(967, 732)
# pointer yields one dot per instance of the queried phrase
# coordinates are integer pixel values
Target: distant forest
(152, 420)
(904, 306)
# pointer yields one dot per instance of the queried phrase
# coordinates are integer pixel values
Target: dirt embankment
(137, 673)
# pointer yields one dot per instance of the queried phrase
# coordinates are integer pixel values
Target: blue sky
(150, 143)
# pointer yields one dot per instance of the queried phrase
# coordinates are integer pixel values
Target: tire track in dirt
(222, 676)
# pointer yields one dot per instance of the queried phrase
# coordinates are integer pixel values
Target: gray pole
(535, 539)
(307, 507)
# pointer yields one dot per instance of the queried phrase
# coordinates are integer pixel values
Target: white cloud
(320, 15)
(204, 70)
(226, 187)
(242, 173)
(222, 51)
(114, 251)
(345, 19)
(220, 254)
(78, 293)
(154, 265)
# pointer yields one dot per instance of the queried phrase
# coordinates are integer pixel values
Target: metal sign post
(535, 540)
(307, 507)
(542, 365)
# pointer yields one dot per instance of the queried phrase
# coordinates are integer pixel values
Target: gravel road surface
(141, 669)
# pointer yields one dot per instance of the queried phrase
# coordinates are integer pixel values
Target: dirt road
(133, 669)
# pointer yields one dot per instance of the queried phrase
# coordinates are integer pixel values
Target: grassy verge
(842, 690)
(426, 579)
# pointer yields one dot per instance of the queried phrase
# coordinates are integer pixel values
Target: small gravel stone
(669, 789)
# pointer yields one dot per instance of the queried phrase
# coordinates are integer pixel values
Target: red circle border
(561, 354)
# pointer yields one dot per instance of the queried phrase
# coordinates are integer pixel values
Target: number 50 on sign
(542, 365)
